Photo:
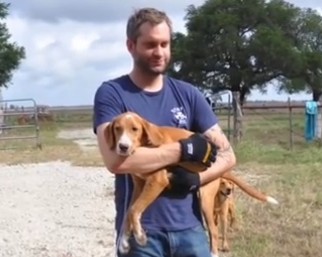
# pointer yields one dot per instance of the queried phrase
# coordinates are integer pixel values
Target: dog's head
(128, 131)
(226, 187)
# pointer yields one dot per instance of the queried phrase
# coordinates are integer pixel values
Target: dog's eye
(134, 129)
(117, 128)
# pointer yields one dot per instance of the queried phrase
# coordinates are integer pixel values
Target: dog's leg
(154, 185)
(224, 226)
(232, 213)
(124, 246)
(216, 219)
(207, 205)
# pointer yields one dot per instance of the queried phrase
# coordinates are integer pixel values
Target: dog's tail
(253, 192)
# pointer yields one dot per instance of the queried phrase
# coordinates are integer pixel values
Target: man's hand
(183, 181)
(197, 148)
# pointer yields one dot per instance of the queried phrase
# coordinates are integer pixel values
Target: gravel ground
(77, 134)
(85, 138)
(56, 210)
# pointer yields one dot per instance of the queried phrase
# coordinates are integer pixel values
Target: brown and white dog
(225, 210)
(129, 131)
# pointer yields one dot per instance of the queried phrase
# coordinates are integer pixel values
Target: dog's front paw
(124, 247)
(140, 238)
(225, 247)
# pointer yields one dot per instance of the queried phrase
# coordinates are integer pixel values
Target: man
(173, 221)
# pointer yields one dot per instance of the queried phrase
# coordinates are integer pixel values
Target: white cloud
(67, 60)
(319, 9)
(94, 11)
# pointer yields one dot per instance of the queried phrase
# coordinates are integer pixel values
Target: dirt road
(56, 210)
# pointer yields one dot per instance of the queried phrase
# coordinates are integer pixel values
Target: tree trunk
(316, 95)
(238, 117)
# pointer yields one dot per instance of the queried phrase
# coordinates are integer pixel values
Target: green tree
(10, 53)
(236, 45)
(308, 77)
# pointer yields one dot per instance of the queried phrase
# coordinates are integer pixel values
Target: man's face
(151, 51)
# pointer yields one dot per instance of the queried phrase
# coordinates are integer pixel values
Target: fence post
(229, 117)
(290, 120)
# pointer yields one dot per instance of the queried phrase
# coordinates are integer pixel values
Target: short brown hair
(143, 15)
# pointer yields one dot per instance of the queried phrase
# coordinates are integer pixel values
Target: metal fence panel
(13, 119)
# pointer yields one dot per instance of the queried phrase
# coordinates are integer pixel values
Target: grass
(294, 228)
(53, 148)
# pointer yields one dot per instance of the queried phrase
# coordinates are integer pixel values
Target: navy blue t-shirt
(177, 104)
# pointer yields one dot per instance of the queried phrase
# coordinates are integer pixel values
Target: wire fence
(278, 124)
(264, 123)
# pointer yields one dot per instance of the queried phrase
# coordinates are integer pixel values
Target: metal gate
(18, 124)
(222, 107)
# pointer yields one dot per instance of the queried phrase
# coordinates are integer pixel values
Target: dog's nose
(123, 147)
(228, 190)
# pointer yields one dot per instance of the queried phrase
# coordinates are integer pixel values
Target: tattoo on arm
(218, 137)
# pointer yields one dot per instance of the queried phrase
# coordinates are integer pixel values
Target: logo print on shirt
(178, 114)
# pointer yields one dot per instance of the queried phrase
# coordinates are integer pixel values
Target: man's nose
(157, 51)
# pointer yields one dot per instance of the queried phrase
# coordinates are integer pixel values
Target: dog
(227, 191)
(124, 134)
(128, 131)
(208, 193)
(224, 209)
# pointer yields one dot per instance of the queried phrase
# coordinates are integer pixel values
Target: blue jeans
(185, 243)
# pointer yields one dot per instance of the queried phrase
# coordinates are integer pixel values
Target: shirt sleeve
(203, 115)
(107, 105)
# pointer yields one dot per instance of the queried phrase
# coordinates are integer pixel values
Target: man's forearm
(218, 168)
(145, 160)
(225, 159)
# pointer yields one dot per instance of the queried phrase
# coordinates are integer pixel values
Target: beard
(145, 66)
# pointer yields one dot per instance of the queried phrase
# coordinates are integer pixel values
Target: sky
(73, 46)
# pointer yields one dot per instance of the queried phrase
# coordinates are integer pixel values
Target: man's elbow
(113, 163)
(113, 168)
(117, 167)
(233, 160)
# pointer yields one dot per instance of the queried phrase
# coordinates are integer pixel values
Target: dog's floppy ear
(109, 135)
(151, 134)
